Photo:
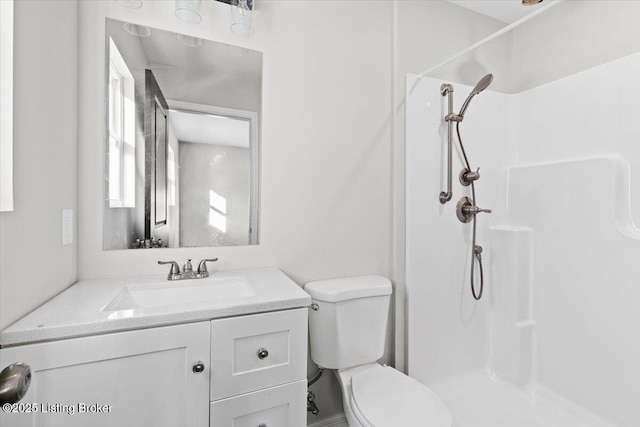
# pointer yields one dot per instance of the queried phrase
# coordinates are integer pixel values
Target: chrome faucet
(187, 270)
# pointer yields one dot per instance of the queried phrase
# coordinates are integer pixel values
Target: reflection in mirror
(182, 140)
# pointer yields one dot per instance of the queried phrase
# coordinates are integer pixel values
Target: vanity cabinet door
(282, 406)
(138, 378)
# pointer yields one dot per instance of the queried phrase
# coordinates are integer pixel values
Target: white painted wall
(298, 197)
(325, 146)
(33, 265)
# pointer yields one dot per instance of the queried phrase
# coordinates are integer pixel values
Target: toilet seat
(384, 397)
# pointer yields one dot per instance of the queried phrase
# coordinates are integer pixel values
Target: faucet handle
(202, 267)
(175, 269)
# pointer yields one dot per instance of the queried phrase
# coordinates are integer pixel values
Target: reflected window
(217, 211)
(171, 176)
(121, 132)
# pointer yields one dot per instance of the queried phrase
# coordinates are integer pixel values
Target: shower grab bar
(447, 90)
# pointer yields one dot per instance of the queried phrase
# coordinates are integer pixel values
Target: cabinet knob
(263, 353)
(262, 425)
(198, 367)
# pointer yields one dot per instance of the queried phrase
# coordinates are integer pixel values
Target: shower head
(482, 84)
(479, 87)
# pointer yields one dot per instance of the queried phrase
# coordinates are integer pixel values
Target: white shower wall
(560, 167)
(446, 328)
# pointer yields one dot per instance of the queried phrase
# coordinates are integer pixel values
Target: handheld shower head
(482, 84)
(479, 87)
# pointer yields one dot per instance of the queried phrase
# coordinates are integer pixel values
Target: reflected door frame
(254, 150)
(155, 205)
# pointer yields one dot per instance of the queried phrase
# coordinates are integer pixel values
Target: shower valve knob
(466, 210)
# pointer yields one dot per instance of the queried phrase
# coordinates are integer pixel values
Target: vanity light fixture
(241, 14)
(188, 11)
(133, 4)
(189, 41)
(137, 30)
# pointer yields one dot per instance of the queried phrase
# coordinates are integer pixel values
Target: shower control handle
(478, 210)
(474, 210)
(466, 210)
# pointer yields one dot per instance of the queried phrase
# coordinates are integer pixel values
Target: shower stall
(555, 339)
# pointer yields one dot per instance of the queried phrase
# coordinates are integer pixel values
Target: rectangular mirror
(182, 140)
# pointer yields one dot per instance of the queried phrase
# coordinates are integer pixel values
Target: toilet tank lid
(346, 288)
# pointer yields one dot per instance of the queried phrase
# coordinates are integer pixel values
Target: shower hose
(476, 250)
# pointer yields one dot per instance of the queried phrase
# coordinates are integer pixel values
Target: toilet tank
(350, 323)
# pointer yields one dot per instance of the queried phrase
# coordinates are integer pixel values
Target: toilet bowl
(347, 326)
(380, 396)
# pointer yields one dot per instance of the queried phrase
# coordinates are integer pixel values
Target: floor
(478, 400)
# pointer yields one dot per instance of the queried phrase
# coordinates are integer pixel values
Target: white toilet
(347, 326)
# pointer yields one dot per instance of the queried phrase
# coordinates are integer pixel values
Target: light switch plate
(67, 226)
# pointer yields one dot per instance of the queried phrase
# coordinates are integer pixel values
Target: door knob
(15, 380)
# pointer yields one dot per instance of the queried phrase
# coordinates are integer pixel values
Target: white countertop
(78, 311)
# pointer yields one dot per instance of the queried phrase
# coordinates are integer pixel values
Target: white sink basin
(180, 292)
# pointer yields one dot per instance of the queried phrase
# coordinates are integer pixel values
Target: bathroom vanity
(229, 350)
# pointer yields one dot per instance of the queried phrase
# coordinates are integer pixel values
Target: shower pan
(554, 340)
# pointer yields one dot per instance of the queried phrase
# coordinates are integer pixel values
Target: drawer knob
(262, 425)
(198, 367)
(263, 353)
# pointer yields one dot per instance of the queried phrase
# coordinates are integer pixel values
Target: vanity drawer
(249, 353)
(282, 406)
